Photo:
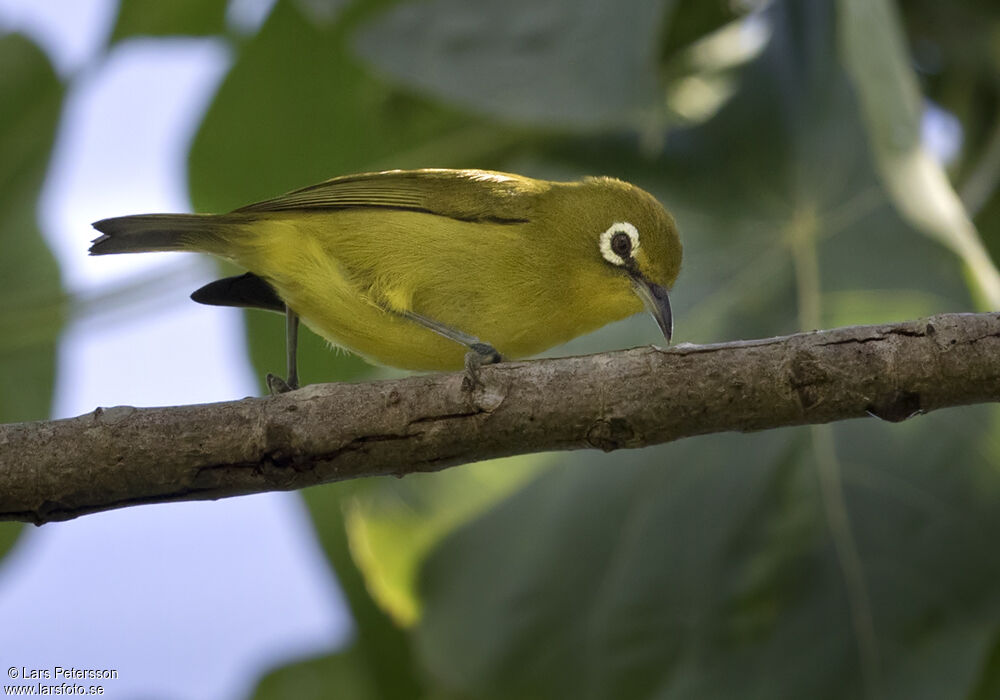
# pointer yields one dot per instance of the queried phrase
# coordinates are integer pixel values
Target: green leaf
(177, 17)
(691, 20)
(323, 116)
(687, 571)
(343, 674)
(378, 662)
(33, 307)
(30, 103)
(585, 64)
(598, 579)
(873, 50)
(393, 525)
(955, 54)
(9, 532)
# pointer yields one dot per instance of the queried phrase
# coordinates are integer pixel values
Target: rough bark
(123, 456)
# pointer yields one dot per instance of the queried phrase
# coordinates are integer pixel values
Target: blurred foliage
(956, 51)
(155, 18)
(32, 314)
(844, 561)
(555, 64)
(30, 103)
(872, 48)
(392, 529)
(380, 661)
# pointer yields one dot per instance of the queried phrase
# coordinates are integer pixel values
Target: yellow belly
(346, 273)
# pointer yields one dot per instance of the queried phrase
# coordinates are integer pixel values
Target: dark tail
(146, 233)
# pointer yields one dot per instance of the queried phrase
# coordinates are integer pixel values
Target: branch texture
(123, 456)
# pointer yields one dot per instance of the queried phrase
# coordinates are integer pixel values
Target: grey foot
(479, 354)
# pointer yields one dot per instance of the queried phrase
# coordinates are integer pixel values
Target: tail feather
(146, 233)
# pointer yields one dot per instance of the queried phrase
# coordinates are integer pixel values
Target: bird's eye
(619, 242)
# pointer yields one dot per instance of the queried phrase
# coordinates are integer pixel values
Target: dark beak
(656, 300)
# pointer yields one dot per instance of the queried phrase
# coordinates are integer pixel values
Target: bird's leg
(292, 347)
(277, 385)
(479, 354)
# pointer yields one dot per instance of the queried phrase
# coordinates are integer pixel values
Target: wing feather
(467, 195)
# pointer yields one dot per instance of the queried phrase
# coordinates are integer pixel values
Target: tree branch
(122, 456)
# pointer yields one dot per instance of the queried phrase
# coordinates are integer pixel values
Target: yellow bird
(427, 269)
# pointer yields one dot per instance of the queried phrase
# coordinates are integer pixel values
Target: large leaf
(957, 57)
(800, 563)
(379, 661)
(287, 118)
(555, 62)
(392, 526)
(178, 17)
(590, 65)
(32, 310)
(874, 53)
(689, 572)
(30, 102)
(344, 674)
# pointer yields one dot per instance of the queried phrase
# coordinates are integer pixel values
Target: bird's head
(626, 248)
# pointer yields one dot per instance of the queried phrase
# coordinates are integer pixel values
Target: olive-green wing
(468, 195)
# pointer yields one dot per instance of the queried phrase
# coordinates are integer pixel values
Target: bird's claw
(479, 354)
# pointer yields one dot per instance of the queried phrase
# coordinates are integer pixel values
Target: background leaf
(553, 62)
(957, 59)
(313, 679)
(683, 572)
(33, 310)
(875, 57)
(178, 17)
(392, 525)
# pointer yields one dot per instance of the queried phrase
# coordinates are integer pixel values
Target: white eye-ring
(619, 242)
